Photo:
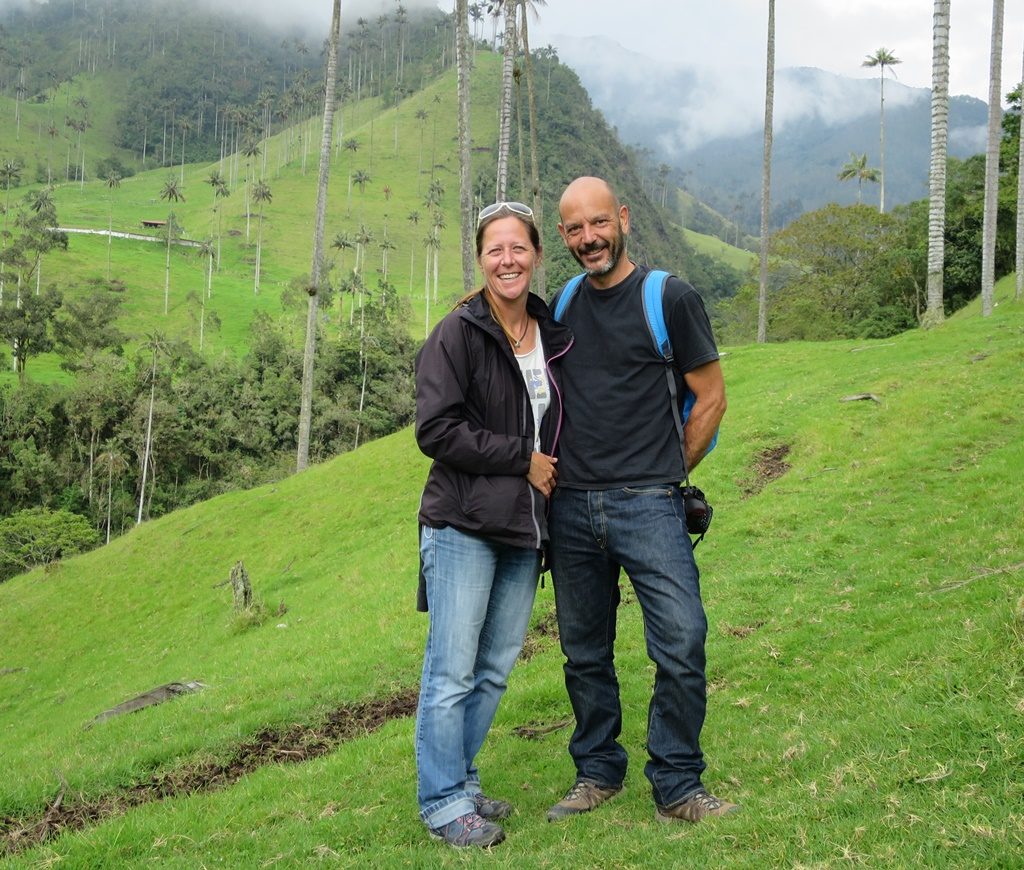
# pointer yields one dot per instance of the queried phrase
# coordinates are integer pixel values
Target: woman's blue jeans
(594, 533)
(480, 596)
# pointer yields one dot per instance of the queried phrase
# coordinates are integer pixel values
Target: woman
(487, 413)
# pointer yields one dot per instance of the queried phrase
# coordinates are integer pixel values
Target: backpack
(654, 315)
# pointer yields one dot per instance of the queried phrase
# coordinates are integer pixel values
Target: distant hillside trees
(215, 424)
(839, 272)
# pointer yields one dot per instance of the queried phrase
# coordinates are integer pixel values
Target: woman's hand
(542, 474)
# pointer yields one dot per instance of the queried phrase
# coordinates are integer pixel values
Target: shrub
(39, 536)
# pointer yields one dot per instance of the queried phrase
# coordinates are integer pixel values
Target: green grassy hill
(400, 153)
(713, 246)
(863, 584)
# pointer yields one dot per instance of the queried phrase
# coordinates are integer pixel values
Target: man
(618, 506)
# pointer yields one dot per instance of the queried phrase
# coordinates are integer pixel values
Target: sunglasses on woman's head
(496, 208)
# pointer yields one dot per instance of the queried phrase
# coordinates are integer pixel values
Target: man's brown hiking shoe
(582, 798)
(695, 807)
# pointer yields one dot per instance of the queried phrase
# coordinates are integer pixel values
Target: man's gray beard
(613, 260)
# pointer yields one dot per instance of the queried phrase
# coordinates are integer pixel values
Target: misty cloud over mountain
(690, 106)
(709, 125)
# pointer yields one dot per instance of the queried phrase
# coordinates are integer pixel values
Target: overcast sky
(729, 35)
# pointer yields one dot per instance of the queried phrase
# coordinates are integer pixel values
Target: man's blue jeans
(643, 530)
(480, 596)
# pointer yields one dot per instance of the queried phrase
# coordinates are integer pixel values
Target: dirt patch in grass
(299, 742)
(540, 637)
(769, 464)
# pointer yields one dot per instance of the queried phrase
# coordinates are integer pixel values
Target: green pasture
(31, 144)
(713, 246)
(864, 592)
(401, 153)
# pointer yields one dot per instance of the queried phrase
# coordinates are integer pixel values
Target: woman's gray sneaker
(469, 830)
(490, 808)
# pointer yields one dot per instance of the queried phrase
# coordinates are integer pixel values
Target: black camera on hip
(698, 511)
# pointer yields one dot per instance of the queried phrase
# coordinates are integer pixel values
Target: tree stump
(241, 588)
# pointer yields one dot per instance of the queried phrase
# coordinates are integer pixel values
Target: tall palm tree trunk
(309, 352)
(505, 125)
(934, 314)
(988, 250)
(149, 441)
(538, 202)
(1020, 216)
(766, 179)
(463, 60)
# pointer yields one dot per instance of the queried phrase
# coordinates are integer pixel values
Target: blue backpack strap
(654, 311)
(654, 314)
(565, 296)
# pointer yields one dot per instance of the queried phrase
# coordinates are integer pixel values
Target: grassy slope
(32, 146)
(288, 220)
(864, 653)
(714, 247)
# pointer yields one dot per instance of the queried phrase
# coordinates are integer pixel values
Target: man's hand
(708, 386)
(542, 473)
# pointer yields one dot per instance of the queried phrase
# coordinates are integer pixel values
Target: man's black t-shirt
(618, 428)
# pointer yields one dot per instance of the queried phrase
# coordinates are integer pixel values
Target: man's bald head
(589, 188)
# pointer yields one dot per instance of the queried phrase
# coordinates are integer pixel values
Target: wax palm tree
(360, 178)
(414, 218)
(260, 193)
(540, 273)
(1020, 210)
(439, 224)
(342, 242)
(112, 181)
(169, 193)
(250, 150)
(220, 191)
(10, 176)
(386, 245)
(435, 193)
(988, 243)
(157, 345)
(882, 58)
(52, 132)
(184, 124)
(209, 250)
(432, 243)
(766, 180)
(857, 168)
(508, 9)
(934, 313)
(41, 203)
(309, 351)
(462, 63)
(421, 119)
(363, 239)
(112, 460)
